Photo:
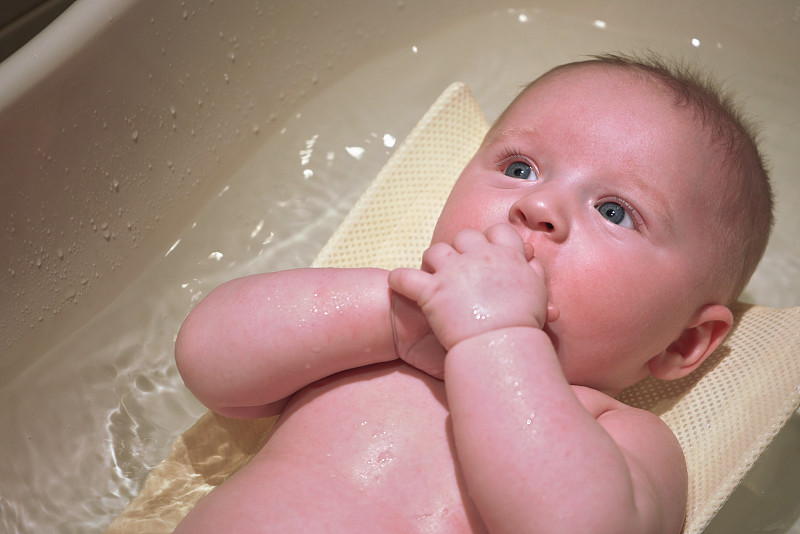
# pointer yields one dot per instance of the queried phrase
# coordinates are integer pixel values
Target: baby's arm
(254, 341)
(538, 455)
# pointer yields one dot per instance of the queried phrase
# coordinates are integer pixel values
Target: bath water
(114, 402)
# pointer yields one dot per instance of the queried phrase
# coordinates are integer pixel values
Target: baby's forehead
(575, 85)
(582, 103)
(589, 74)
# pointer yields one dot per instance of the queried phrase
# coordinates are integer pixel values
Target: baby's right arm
(254, 341)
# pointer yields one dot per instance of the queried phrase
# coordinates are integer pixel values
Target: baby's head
(645, 198)
(739, 193)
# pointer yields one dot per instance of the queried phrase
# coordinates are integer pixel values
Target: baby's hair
(742, 196)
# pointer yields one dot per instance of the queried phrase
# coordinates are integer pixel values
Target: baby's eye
(615, 213)
(521, 170)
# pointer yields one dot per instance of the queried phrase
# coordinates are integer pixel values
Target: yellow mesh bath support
(724, 414)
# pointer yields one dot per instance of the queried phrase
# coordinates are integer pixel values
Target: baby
(598, 236)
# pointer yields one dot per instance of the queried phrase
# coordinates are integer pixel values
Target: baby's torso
(380, 435)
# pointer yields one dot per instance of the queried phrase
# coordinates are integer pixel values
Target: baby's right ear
(699, 339)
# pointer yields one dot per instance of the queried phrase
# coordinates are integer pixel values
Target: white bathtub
(152, 149)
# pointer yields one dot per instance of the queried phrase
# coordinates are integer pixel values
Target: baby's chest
(386, 408)
(384, 429)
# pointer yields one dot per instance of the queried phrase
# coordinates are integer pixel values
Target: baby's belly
(383, 431)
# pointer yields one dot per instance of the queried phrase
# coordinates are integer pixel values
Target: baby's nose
(541, 213)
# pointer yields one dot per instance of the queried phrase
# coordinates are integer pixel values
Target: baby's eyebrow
(497, 134)
(654, 198)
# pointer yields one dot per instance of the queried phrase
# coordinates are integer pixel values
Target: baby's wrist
(504, 334)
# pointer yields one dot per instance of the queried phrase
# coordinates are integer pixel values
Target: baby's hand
(482, 282)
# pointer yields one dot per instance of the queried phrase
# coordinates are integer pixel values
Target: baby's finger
(435, 256)
(468, 239)
(411, 283)
(536, 265)
(505, 235)
(528, 252)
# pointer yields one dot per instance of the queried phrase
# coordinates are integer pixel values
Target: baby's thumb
(528, 252)
(553, 312)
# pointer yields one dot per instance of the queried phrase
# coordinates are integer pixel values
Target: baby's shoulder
(627, 424)
(605, 408)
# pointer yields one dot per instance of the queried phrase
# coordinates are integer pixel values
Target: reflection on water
(89, 419)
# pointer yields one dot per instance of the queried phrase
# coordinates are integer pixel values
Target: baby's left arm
(538, 454)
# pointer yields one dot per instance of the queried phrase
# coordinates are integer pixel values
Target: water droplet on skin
(60, 253)
(135, 136)
(479, 313)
